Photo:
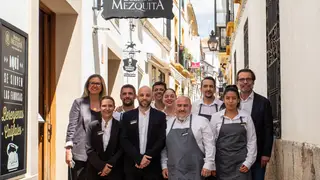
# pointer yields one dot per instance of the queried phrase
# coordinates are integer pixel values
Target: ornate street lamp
(213, 42)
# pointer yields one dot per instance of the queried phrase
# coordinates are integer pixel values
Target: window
(168, 28)
(273, 63)
(235, 64)
(246, 45)
(162, 76)
(164, 30)
(154, 75)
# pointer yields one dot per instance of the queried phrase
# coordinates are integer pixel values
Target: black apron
(207, 116)
(231, 151)
(185, 158)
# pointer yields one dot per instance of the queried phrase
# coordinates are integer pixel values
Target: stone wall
(294, 161)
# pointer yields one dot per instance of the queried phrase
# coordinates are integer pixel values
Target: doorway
(46, 113)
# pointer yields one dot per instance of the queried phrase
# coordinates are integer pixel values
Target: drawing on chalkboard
(13, 159)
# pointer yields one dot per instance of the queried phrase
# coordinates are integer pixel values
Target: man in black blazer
(98, 158)
(143, 138)
(260, 109)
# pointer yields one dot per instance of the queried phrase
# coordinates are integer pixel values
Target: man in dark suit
(143, 138)
(260, 109)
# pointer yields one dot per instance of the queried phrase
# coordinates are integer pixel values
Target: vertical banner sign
(13, 100)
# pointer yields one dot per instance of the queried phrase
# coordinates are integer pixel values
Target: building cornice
(192, 20)
(164, 41)
(238, 20)
(182, 10)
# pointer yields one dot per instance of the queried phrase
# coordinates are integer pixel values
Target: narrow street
(49, 49)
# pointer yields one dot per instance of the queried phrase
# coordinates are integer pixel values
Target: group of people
(168, 137)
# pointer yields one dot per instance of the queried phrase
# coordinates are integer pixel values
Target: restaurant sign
(13, 100)
(137, 9)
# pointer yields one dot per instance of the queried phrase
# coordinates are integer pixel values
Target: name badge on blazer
(100, 133)
(133, 122)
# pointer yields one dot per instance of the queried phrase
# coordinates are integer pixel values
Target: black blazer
(98, 158)
(263, 121)
(155, 140)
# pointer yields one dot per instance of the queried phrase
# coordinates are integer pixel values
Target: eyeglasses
(245, 79)
(95, 83)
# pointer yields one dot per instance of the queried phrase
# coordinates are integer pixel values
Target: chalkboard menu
(13, 100)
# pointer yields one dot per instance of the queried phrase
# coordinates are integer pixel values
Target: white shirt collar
(215, 101)
(250, 96)
(103, 123)
(146, 112)
(187, 119)
(240, 113)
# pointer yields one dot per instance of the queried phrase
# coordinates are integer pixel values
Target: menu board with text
(13, 101)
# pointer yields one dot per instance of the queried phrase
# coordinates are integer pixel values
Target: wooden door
(46, 143)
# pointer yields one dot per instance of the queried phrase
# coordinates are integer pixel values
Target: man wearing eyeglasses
(260, 109)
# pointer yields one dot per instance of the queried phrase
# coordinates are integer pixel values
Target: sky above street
(204, 10)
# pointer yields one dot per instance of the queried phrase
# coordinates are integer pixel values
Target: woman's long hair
(86, 92)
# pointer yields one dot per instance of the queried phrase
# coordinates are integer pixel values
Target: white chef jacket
(106, 132)
(203, 134)
(208, 109)
(216, 123)
(143, 130)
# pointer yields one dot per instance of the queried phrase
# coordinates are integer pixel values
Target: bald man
(189, 145)
(143, 138)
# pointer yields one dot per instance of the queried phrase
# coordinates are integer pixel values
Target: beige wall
(25, 17)
(255, 11)
(115, 79)
(68, 76)
(300, 87)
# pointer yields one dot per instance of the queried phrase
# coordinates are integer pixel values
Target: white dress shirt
(153, 105)
(203, 134)
(106, 128)
(206, 108)
(246, 104)
(143, 130)
(216, 123)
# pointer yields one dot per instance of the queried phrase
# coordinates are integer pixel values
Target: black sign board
(13, 100)
(130, 64)
(137, 9)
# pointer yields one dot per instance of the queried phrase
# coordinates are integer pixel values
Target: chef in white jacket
(189, 145)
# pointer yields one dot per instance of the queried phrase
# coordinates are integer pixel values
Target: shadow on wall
(113, 70)
(65, 26)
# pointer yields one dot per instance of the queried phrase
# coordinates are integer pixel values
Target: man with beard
(143, 138)
(127, 96)
(158, 90)
(189, 151)
(260, 109)
(208, 105)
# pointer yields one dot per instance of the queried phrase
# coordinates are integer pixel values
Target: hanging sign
(130, 64)
(137, 9)
(13, 101)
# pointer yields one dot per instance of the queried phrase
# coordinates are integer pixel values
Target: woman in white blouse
(169, 99)
(234, 139)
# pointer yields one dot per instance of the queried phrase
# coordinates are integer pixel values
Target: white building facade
(279, 45)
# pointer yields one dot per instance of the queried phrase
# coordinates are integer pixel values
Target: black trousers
(141, 175)
(78, 172)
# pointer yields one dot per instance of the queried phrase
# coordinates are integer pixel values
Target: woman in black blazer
(105, 156)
